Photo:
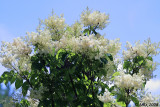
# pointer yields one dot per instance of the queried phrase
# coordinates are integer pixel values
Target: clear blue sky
(130, 20)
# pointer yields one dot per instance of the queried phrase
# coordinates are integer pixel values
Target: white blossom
(33, 102)
(107, 97)
(88, 45)
(94, 19)
(110, 68)
(148, 72)
(56, 25)
(42, 40)
(74, 30)
(148, 99)
(37, 94)
(128, 81)
(16, 55)
(145, 49)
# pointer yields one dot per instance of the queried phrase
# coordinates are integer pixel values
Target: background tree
(5, 95)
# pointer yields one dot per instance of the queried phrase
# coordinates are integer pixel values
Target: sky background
(130, 20)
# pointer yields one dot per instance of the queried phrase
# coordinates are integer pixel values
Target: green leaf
(24, 103)
(1, 79)
(144, 84)
(150, 58)
(53, 51)
(138, 59)
(94, 31)
(25, 73)
(12, 72)
(90, 95)
(71, 55)
(111, 89)
(115, 74)
(104, 60)
(120, 103)
(36, 48)
(18, 83)
(109, 56)
(6, 74)
(59, 65)
(107, 105)
(86, 78)
(126, 64)
(25, 87)
(72, 69)
(6, 82)
(5, 77)
(86, 31)
(32, 79)
(135, 100)
(13, 79)
(140, 62)
(120, 97)
(61, 51)
(68, 29)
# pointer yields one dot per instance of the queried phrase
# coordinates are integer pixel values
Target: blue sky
(130, 20)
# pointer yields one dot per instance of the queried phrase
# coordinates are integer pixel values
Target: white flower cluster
(33, 102)
(89, 45)
(56, 25)
(110, 67)
(74, 30)
(43, 41)
(145, 49)
(107, 97)
(127, 81)
(95, 19)
(148, 98)
(37, 94)
(16, 55)
(148, 73)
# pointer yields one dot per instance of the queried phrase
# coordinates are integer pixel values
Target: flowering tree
(62, 65)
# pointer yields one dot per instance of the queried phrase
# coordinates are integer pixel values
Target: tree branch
(73, 85)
